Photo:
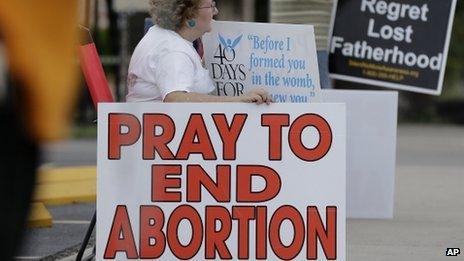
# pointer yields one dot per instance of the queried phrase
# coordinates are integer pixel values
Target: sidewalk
(429, 202)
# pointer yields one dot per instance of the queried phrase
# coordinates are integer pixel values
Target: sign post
(208, 181)
(395, 44)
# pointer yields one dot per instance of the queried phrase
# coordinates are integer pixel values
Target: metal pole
(87, 237)
(262, 11)
(123, 22)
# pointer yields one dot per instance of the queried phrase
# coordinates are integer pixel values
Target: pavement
(429, 200)
(428, 211)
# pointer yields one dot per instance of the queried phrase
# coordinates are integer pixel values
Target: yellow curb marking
(58, 186)
(39, 216)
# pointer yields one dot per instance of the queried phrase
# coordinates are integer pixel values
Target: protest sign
(371, 120)
(399, 44)
(279, 57)
(208, 181)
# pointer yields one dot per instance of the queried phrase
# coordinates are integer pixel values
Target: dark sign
(399, 44)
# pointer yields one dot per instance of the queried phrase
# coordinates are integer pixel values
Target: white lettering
(370, 29)
(424, 11)
(336, 43)
(387, 32)
(395, 10)
(368, 3)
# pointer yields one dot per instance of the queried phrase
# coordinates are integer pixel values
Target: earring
(191, 23)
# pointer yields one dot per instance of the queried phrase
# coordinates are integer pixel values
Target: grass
(80, 131)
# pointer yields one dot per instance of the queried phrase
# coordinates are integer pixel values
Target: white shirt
(164, 62)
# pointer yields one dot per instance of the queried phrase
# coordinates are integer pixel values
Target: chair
(92, 69)
(99, 88)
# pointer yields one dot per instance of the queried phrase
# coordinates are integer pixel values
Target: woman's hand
(256, 95)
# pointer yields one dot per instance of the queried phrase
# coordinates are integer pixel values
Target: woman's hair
(173, 14)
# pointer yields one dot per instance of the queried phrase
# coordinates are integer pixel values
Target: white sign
(279, 57)
(371, 120)
(208, 181)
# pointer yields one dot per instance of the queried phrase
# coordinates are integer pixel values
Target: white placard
(371, 118)
(275, 176)
(279, 57)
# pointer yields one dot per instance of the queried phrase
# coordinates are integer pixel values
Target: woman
(165, 66)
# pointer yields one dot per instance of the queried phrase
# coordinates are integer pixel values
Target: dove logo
(227, 74)
(226, 49)
(229, 44)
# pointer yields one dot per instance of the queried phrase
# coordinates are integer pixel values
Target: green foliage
(446, 108)
(81, 131)
(455, 64)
